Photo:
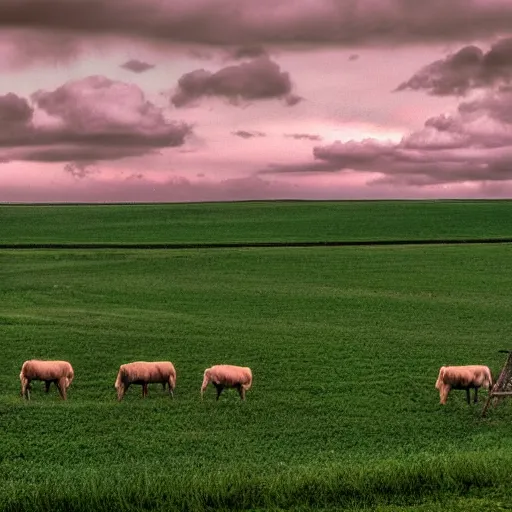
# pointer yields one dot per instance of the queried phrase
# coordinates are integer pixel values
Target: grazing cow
(59, 372)
(228, 376)
(463, 377)
(144, 373)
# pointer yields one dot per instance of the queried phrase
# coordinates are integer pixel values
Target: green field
(344, 342)
(284, 221)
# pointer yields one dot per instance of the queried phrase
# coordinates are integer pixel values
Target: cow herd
(220, 376)
(140, 372)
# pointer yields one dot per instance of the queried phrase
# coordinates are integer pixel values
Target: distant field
(345, 344)
(276, 222)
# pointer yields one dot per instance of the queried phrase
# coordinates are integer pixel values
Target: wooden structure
(503, 386)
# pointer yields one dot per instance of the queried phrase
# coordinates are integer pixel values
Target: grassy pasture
(344, 342)
(280, 221)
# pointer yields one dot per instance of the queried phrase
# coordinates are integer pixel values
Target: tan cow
(144, 373)
(59, 372)
(463, 377)
(228, 376)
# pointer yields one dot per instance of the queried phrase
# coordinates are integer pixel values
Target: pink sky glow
(218, 100)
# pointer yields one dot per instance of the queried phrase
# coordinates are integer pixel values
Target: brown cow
(59, 372)
(463, 377)
(144, 373)
(228, 376)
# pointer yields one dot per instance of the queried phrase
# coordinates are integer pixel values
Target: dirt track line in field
(235, 245)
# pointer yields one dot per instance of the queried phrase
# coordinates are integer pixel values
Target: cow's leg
(47, 384)
(219, 388)
(476, 395)
(61, 386)
(468, 398)
(25, 388)
(144, 390)
(241, 392)
(121, 391)
(163, 385)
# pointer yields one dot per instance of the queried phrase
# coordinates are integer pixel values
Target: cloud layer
(196, 60)
(472, 145)
(342, 22)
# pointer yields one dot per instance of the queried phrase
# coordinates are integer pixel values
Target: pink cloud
(22, 48)
(78, 170)
(247, 52)
(257, 79)
(14, 111)
(303, 136)
(244, 134)
(137, 66)
(473, 145)
(496, 104)
(92, 119)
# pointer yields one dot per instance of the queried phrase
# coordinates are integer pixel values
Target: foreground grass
(345, 345)
(272, 222)
(409, 483)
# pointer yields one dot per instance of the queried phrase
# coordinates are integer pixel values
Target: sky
(222, 100)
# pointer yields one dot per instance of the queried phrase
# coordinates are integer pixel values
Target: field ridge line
(235, 245)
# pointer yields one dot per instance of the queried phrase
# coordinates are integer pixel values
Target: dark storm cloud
(258, 79)
(231, 22)
(467, 69)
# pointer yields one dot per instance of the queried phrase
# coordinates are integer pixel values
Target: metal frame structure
(503, 386)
